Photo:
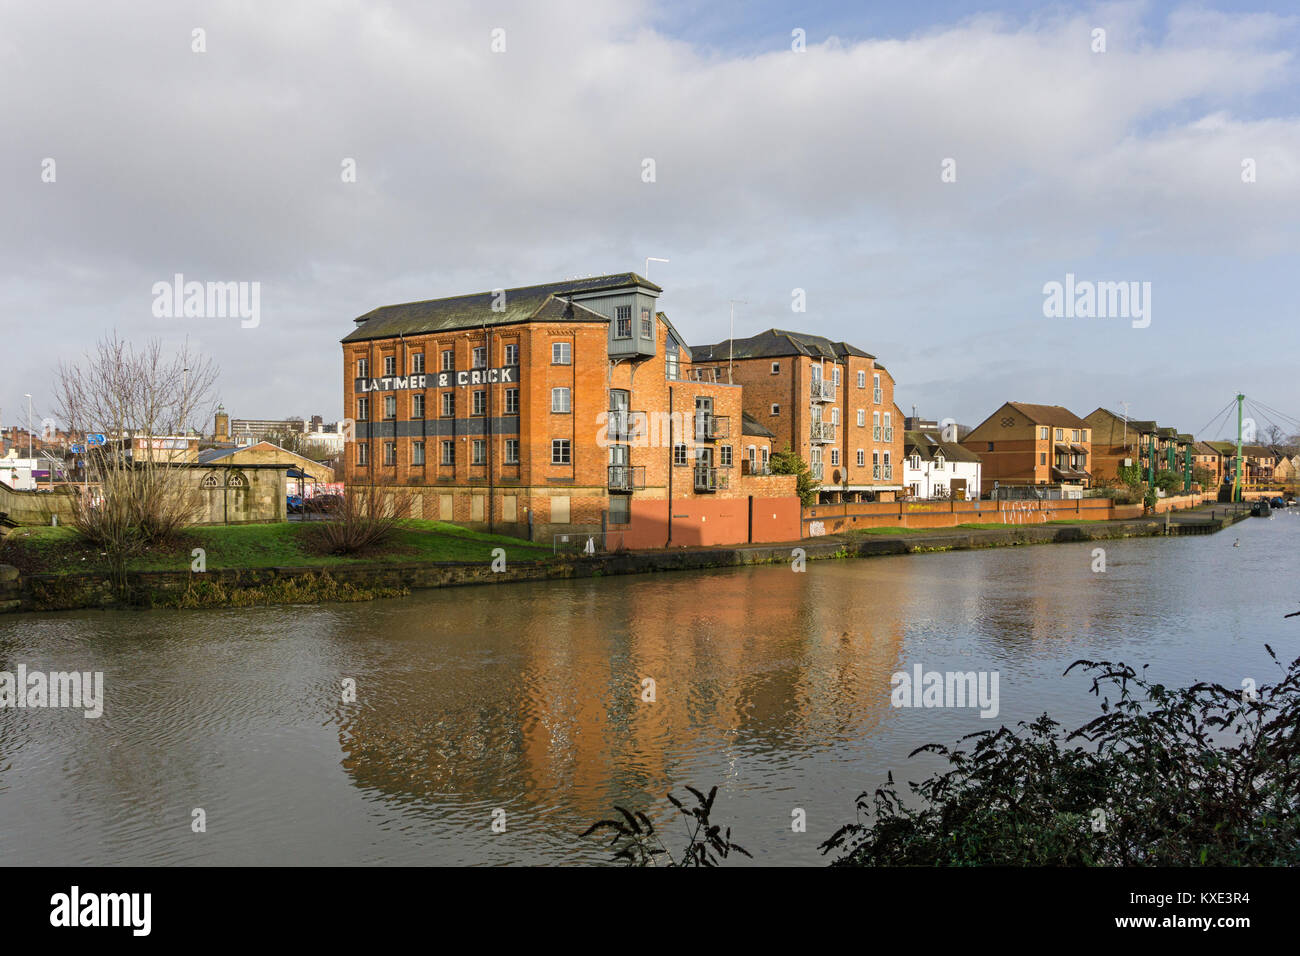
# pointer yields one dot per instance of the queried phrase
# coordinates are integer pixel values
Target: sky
(921, 176)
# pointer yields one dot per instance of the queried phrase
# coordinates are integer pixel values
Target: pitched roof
(927, 443)
(538, 303)
(1049, 415)
(1134, 424)
(749, 425)
(776, 343)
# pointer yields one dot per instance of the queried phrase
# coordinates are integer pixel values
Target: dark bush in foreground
(1201, 775)
(635, 843)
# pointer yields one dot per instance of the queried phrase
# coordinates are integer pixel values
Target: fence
(594, 542)
(831, 519)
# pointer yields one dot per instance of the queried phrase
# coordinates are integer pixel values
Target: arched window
(236, 480)
(210, 480)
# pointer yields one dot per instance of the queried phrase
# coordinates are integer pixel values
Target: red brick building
(831, 402)
(1022, 444)
(566, 407)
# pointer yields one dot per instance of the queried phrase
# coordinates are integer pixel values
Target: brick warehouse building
(831, 402)
(566, 407)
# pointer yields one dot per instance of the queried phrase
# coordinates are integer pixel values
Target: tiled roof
(749, 425)
(926, 443)
(776, 343)
(1054, 415)
(1134, 424)
(539, 303)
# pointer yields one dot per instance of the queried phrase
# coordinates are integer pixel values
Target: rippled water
(527, 698)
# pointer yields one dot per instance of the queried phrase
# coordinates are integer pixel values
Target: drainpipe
(669, 544)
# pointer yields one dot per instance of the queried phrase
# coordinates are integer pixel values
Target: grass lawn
(261, 546)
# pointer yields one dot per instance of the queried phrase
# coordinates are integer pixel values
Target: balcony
(822, 432)
(875, 472)
(817, 470)
(625, 426)
(889, 433)
(710, 427)
(822, 390)
(749, 467)
(626, 478)
(887, 472)
(704, 373)
(877, 396)
(710, 479)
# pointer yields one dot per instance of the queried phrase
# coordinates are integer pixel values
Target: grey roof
(775, 343)
(749, 425)
(926, 443)
(536, 303)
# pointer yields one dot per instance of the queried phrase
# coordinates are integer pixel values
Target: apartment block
(1037, 447)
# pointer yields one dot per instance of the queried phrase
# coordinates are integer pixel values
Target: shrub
(366, 516)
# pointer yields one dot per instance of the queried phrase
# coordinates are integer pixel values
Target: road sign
(93, 440)
(78, 449)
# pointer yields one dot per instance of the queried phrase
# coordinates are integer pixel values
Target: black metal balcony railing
(709, 427)
(626, 477)
(709, 479)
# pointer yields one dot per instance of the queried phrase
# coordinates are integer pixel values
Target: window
(990, 446)
(478, 452)
(479, 406)
(560, 400)
(938, 462)
(512, 355)
(417, 363)
(623, 322)
(561, 354)
(776, 368)
(835, 416)
(620, 509)
(390, 365)
(862, 379)
(1085, 434)
(512, 451)
(363, 368)
(1060, 434)
(448, 404)
(417, 453)
(390, 406)
(915, 462)
(1042, 433)
(835, 376)
(1074, 435)
(862, 456)
(478, 357)
(647, 327)
(835, 456)
(671, 359)
(363, 409)
(363, 454)
(875, 388)
(1042, 457)
(512, 401)
(390, 453)
(776, 409)
(862, 417)
(679, 454)
(724, 456)
(417, 405)
(448, 453)
(448, 360)
(875, 426)
(559, 451)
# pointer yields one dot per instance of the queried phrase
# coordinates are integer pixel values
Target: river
(523, 704)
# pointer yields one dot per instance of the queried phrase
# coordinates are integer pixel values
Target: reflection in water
(528, 699)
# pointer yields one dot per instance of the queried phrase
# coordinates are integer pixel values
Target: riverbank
(251, 575)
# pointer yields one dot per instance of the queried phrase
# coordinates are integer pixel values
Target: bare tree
(143, 401)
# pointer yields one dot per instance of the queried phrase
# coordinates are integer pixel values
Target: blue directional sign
(78, 449)
(93, 440)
